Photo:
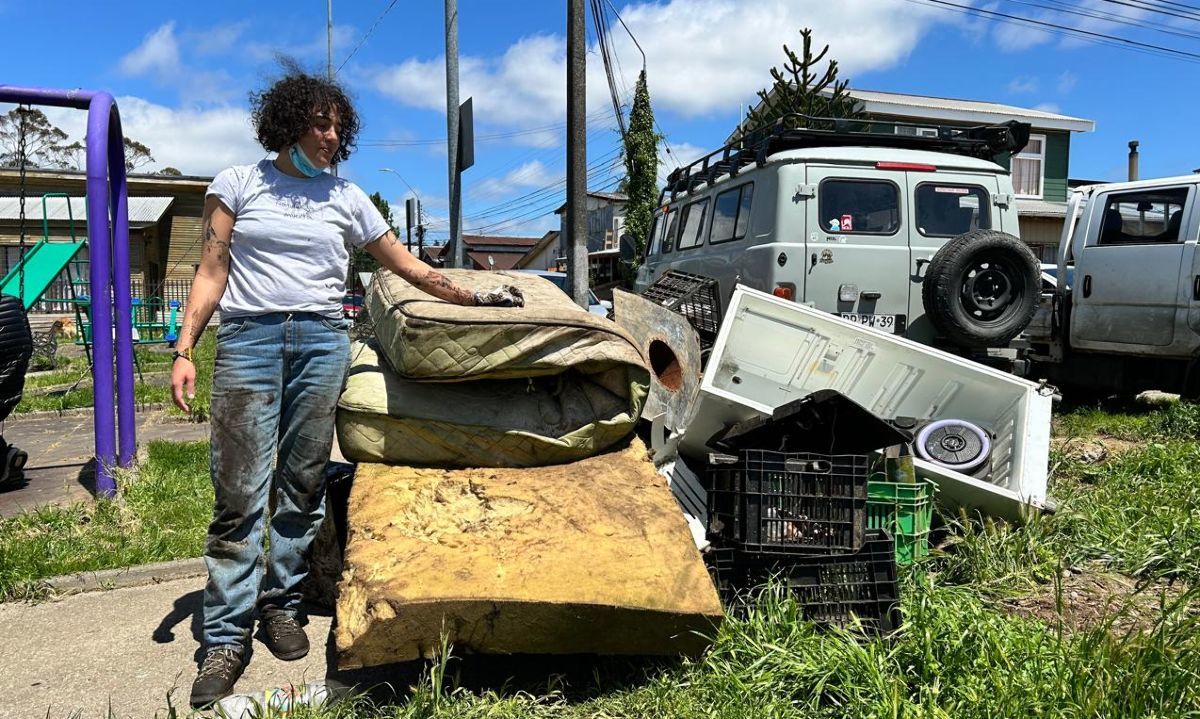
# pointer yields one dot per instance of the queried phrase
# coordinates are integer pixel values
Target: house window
(1029, 167)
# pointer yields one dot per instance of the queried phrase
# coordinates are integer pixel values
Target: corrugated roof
(877, 102)
(142, 210)
(473, 240)
(501, 260)
(1041, 208)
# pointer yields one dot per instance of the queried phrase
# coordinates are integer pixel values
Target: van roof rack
(794, 131)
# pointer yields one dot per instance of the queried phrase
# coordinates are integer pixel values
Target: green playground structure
(46, 261)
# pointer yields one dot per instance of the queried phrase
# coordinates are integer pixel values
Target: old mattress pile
(497, 505)
(448, 386)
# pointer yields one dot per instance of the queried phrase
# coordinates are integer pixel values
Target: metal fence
(57, 298)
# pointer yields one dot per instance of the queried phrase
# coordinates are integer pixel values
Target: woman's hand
(183, 379)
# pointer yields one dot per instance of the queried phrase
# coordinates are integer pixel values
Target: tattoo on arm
(436, 284)
(212, 243)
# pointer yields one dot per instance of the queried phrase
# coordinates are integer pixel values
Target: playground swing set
(48, 261)
(110, 307)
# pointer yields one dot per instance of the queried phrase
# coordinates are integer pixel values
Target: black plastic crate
(835, 589)
(789, 502)
(722, 569)
(695, 297)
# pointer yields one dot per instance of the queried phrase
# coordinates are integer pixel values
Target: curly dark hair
(283, 112)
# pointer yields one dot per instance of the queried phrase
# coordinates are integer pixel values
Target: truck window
(1146, 217)
(950, 210)
(731, 214)
(861, 207)
(693, 224)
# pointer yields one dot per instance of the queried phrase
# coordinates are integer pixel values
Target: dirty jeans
(275, 388)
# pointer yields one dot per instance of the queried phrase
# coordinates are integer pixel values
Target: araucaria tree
(641, 169)
(801, 87)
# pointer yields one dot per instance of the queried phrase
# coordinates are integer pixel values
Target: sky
(182, 73)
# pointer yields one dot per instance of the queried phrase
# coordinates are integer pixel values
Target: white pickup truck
(1122, 313)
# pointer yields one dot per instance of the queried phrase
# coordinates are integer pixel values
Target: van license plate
(888, 323)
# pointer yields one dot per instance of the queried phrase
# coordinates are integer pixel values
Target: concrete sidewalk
(125, 649)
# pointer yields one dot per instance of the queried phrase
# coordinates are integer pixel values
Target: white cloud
(681, 153)
(1021, 85)
(703, 57)
(1067, 81)
(158, 55)
(1048, 107)
(532, 174)
(194, 141)
(216, 40)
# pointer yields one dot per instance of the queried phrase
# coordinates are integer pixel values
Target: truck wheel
(981, 288)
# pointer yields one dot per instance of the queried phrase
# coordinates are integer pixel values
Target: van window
(731, 214)
(860, 207)
(693, 224)
(1147, 217)
(949, 210)
(654, 246)
(672, 230)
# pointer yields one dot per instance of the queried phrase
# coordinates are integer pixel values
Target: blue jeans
(275, 389)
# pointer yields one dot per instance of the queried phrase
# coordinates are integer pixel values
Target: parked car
(911, 235)
(596, 305)
(1127, 316)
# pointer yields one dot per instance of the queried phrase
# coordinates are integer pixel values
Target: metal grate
(695, 297)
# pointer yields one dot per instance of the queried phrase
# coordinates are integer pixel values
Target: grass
(155, 364)
(961, 652)
(161, 515)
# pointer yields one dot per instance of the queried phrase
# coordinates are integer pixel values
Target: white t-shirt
(288, 252)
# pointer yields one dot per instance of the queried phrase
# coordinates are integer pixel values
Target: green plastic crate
(905, 510)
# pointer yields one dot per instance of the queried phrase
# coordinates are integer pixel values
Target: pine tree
(641, 168)
(801, 88)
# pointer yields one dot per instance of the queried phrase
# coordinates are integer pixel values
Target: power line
(1059, 6)
(1066, 31)
(364, 37)
(1140, 5)
(490, 136)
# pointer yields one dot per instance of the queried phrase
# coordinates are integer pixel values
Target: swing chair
(108, 269)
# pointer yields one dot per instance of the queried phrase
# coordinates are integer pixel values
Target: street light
(397, 174)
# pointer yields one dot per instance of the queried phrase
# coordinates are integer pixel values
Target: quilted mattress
(449, 386)
(425, 338)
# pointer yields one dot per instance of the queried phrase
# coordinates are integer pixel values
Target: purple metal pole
(100, 247)
(106, 285)
(126, 439)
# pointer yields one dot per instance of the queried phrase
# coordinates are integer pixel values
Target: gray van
(915, 236)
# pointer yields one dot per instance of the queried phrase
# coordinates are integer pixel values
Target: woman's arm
(207, 288)
(393, 255)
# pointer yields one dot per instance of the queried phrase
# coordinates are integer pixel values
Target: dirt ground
(1092, 450)
(1090, 600)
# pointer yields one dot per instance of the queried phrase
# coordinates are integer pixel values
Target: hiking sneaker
(218, 673)
(284, 636)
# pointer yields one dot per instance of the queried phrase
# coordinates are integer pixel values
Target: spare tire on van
(981, 289)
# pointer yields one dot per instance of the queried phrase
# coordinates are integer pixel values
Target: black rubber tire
(981, 289)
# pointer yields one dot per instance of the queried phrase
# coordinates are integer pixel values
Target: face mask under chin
(302, 163)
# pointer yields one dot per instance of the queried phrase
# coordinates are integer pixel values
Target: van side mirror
(628, 248)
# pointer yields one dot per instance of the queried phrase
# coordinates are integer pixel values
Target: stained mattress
(449, 386)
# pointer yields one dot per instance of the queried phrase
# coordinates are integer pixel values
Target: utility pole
(456, 247)
(577, 251)
(329, 39)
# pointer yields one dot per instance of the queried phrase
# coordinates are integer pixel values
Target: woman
(274, 261)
